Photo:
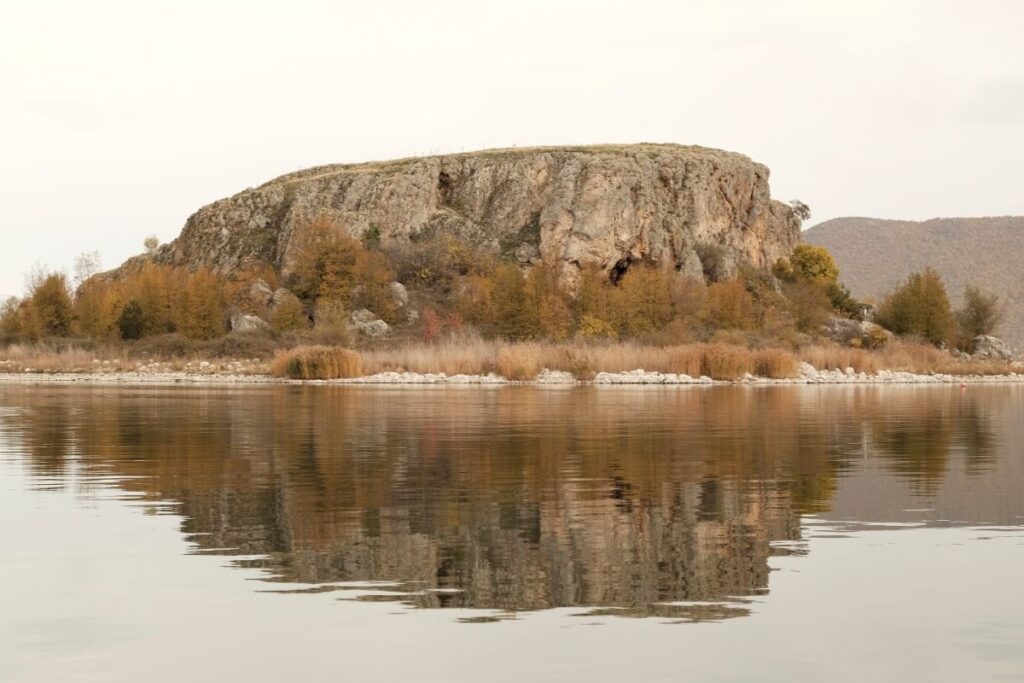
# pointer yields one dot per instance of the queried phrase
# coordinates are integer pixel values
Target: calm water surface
(512, 533)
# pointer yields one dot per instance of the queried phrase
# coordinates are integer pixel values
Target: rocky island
(646, 263)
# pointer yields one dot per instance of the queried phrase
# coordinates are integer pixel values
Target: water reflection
(639, 502)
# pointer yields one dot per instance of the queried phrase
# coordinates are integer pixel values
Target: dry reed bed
(525, 360)
(60, 359)
(522, 360)
(898, 356)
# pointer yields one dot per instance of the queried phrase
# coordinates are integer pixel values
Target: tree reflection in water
(622, 501)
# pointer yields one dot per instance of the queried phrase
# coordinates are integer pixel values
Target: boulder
(554, 377)
(399, 294)
(861, 333)
(991, 348)
(363, 315)
(807, 371)
(240, 322)
(374, 329)
(369, 325)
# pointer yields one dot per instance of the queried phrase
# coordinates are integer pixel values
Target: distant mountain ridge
(874, 255)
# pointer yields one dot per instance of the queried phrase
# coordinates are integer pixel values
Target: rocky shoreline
(639, 377)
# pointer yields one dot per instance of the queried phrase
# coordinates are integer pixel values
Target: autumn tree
(374, 276)
(687, 295)
(980, 315)
(516, 315)
(814, 264)
(545, 293)
(325, 261)
(474, 301)
(11, 328)
(641, 301)
(202, 306)
(288, 315)
(594, 297)
(50, 311)
(96, 309)
(808, 304)
(919, 307)
(729, 306)
(156, 289)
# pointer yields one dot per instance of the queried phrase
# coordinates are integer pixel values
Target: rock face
(608, 205)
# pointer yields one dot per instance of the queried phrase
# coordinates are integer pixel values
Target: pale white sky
(120, 118)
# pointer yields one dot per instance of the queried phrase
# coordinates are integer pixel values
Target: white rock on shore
(554, 377)
(418, 378)
(644, 377)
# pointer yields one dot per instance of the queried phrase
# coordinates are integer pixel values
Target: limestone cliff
(609, 205)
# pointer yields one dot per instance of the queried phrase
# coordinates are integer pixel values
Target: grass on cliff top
(391, 166)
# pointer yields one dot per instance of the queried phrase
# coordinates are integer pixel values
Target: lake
(516, 533)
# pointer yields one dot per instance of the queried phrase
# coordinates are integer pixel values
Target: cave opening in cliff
(445, 186)
(619, 270)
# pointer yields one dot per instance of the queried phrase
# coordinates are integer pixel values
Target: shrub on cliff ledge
(317, 362)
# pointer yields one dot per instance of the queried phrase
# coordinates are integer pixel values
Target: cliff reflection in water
(521, 498)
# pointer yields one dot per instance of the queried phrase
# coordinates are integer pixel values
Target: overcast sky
(120, 118)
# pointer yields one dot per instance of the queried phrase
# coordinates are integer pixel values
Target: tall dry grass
(60, 358)
(840, 358)
(775, 363)
(454, 356)
(525, 360)
(900, 356)
(317, 362)
(472, 355)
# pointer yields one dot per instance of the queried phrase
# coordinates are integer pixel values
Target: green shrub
(130, 323)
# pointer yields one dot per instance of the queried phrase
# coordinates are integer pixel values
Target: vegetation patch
(317, 362)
